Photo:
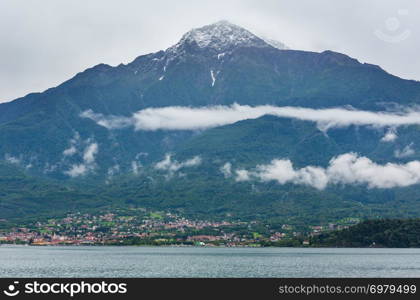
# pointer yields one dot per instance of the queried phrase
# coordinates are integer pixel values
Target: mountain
(77, 139)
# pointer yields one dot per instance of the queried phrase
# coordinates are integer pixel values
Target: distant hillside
(374, 233)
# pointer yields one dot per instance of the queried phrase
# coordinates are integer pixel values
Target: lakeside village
(140, 227)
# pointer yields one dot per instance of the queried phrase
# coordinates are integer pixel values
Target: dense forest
(394, 233)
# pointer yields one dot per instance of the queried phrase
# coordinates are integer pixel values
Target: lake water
(90, 261)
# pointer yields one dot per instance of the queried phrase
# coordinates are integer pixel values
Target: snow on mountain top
(221, 36)
(275, 44)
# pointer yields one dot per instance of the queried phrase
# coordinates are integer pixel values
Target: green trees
(394, 233)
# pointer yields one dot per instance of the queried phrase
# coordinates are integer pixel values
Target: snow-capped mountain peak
(221, 36)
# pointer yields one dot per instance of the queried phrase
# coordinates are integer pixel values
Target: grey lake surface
(91, 261)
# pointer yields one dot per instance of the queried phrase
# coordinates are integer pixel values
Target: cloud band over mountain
(347, 168)
(188, 118)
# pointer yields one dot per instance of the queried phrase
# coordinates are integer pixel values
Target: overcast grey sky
(45, 42)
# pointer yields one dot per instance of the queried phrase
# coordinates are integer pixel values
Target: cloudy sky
(45, 42)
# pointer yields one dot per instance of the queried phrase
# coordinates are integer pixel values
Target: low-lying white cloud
(242, 175)
(347, 168)
(90, 152)
(72, 150)
(172, 166)
(390, 135)
(110, 122)
(88, 163)
(189, 118)
(135, 167)
(12, 159)
(226, 170)
(405, 152)
(77, 170)
(114, 170)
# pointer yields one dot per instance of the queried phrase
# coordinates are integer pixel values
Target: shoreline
(195, 246)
